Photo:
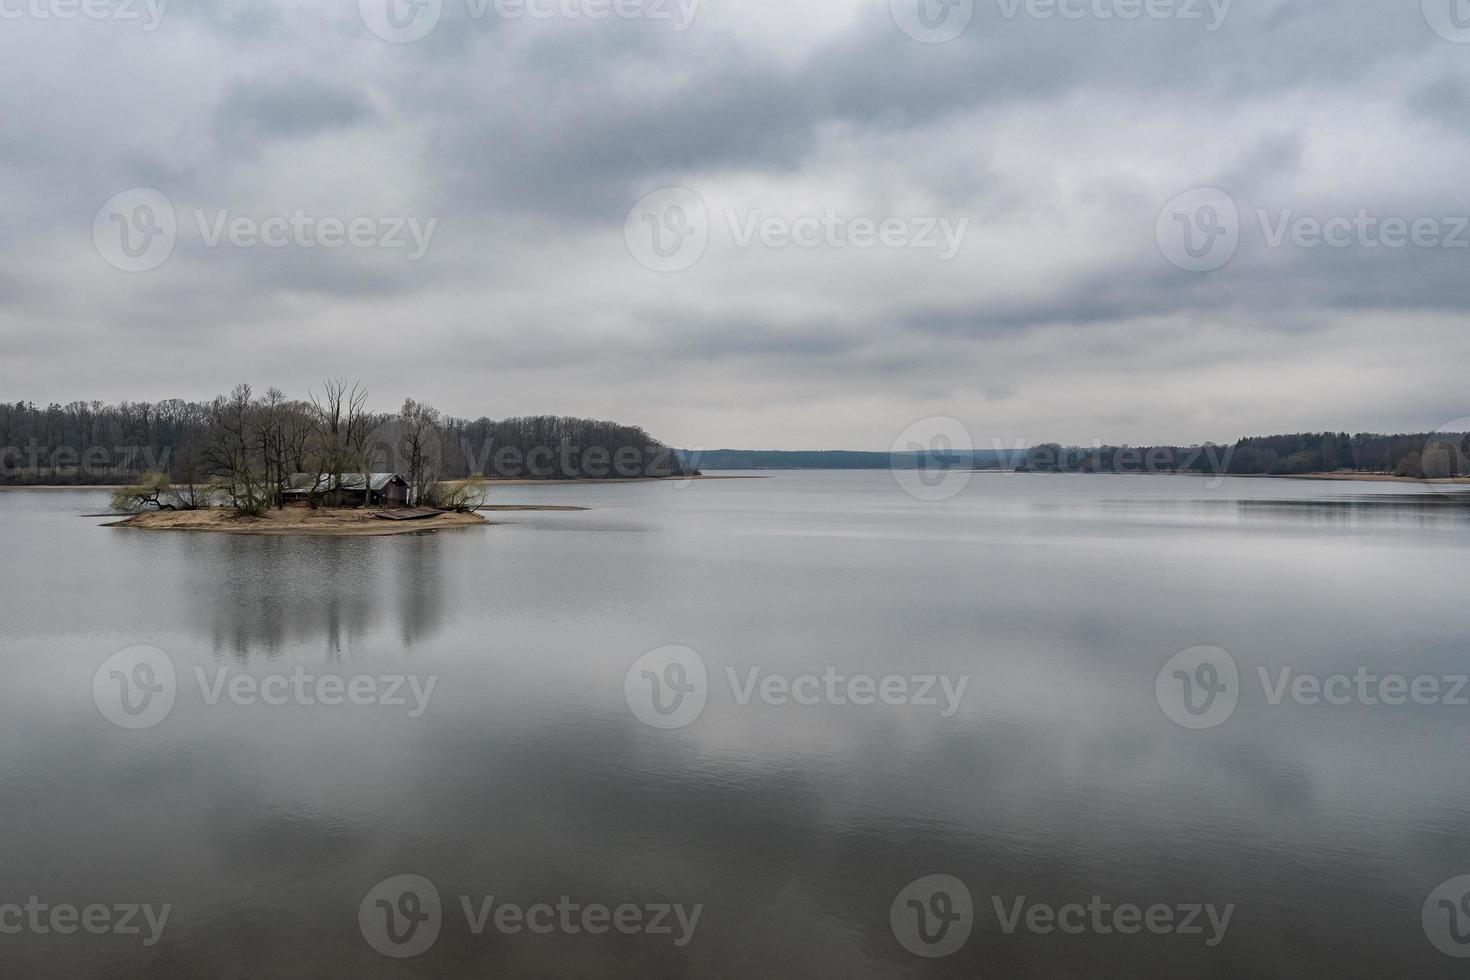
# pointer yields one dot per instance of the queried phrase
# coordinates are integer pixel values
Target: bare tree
(420, 448)
(234, 449)
(342, 433)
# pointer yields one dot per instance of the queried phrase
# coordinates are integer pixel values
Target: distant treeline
(1431, 454)
(90, 443)
(763, 459)
(1414, 455)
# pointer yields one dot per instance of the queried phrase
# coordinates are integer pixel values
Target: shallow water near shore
(518, 767)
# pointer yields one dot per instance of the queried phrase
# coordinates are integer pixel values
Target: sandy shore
(1360, 477)
(294, 521)
(8, 488)
(497, 481)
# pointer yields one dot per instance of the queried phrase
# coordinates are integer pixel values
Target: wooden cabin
(349, 489)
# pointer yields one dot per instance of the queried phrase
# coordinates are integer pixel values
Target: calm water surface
(529, 778)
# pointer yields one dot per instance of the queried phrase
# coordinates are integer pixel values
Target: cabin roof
(303, 482)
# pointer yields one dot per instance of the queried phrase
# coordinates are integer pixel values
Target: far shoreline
(1341, 476)
(473, 481)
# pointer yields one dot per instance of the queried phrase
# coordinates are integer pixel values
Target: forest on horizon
(92, 443)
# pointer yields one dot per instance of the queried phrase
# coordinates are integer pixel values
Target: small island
(341, 504)
(362, 522)
(267, 465)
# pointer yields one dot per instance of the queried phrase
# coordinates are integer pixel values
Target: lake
(807, 725)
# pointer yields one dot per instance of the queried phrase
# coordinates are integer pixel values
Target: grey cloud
(261, 110)
(530, 141)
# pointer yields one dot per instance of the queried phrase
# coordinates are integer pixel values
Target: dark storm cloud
(260, 110)
(1060, 140)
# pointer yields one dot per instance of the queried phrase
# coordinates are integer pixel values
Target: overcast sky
(883, 216)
